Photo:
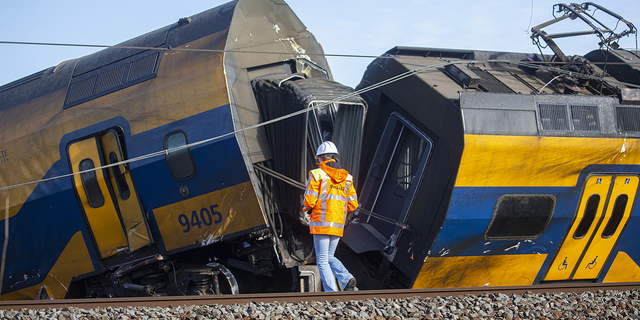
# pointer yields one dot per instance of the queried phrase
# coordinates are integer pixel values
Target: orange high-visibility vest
(331, 194)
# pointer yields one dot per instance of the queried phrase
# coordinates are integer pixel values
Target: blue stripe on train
(219, 163)
(40, 231)
(471, 210)
(49, 218)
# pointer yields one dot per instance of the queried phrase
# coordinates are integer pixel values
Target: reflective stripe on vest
(325, 195)
(327, 224)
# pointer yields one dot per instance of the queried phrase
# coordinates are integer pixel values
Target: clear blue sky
(359, 27)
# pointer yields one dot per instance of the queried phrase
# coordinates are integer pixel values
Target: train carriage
(175, 163)
(510, 168)
(142, 159)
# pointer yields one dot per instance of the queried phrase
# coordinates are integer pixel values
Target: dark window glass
(90, 184)
(409, 156)
(520, 216)
(618, 212)
(180, 161)
(121, 182)
(588, 217)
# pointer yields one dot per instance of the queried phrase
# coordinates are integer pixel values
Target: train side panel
(546, 185)
(76, 117)
(196, 95)
(494, 167)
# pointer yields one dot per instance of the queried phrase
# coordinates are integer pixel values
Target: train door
(392, 183)
(602, 214)
(108, 196)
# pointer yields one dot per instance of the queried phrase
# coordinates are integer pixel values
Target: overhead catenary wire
(339, 55)
(167, 151)
(181, 49)
(318, 106)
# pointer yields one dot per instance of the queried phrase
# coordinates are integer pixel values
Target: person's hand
(304, 218)
(351, 216)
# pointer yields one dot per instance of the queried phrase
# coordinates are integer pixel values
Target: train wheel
(285, 280)
(227, 283)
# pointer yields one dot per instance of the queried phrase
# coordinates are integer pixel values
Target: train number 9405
(206, 217)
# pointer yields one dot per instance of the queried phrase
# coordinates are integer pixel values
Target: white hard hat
(327, 147)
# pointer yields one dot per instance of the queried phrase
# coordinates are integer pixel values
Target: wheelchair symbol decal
(563, 265)
(592, 264)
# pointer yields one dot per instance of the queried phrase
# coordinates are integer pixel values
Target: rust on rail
(166, 301)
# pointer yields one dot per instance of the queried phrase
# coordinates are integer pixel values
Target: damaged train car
(149, 174)
(501, 168)
(175, 163)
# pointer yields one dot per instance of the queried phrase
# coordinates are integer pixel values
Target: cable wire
(535, 42)
(181, 49)
(320, 106)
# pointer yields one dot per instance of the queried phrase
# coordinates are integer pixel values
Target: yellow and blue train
(175, 162)
(140, 160)
(501, 168)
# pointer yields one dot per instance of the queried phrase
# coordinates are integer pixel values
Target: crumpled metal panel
(293, 141)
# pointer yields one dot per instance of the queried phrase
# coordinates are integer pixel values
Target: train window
(408, 160)
(520, 217)
(585, 118)
(588, 216)
(618, 212)
(180, 161)
(554, 117)
(90, 184)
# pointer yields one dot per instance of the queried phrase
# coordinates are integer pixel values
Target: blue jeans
(328, 264)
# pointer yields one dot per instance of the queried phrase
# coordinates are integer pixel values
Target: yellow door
(135, 225)
(594, 231)
(93, 191)
(618, 211)
(108, 197)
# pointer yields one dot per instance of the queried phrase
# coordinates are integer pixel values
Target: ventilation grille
(585, 118)
(81, 89)
(142, 67)
(112, 78)
(628, 119)
(554, 117)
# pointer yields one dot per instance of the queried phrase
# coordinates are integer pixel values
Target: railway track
(164, 302)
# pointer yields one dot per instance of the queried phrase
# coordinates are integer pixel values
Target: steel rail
(169, 301)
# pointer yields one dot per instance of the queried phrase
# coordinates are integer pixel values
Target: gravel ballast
(586, 305)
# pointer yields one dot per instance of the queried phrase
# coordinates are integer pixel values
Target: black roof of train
(174, 35)
(520, 73)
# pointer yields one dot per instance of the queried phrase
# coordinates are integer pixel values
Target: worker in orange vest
(330, 195)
